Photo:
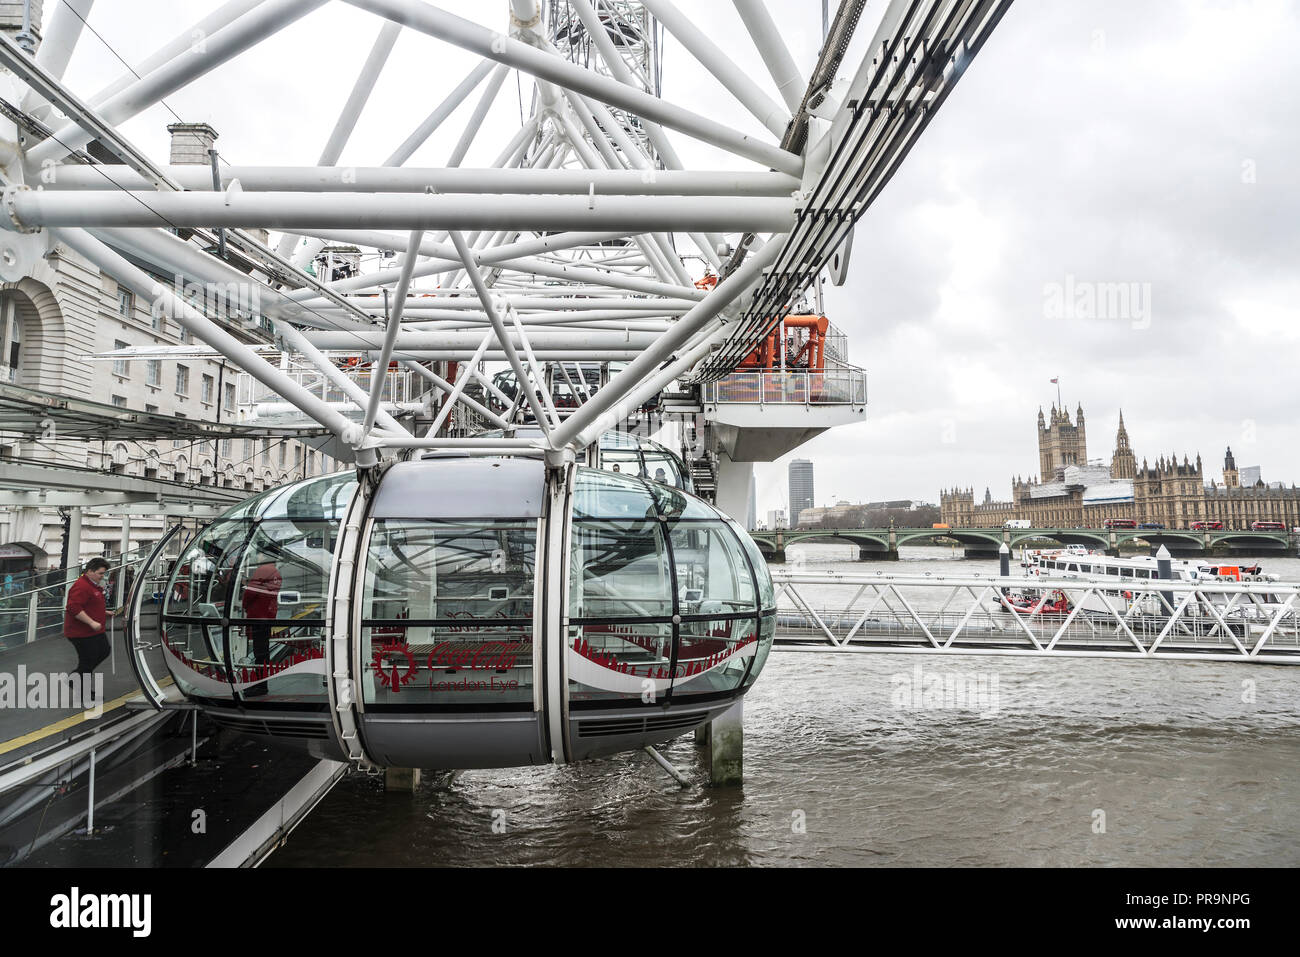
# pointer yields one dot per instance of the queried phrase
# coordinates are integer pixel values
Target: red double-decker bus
(1121, 523)
(1207, 526)
(1267, 527)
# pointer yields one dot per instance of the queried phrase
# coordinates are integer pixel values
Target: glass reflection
(245, 604)
(619, 570)
(447, 614)
(713, 577)
(278, 607)
(664, 604)
(713, 656)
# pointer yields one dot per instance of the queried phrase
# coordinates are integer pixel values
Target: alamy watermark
(39, 691)
(1084, 299)
(921, 690)
(233, 301)
(77, 909)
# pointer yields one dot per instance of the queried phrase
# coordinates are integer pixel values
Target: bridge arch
(906, 536)
(1065, 536)
(864, 542)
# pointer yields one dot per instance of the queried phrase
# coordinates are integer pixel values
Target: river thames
(1082, 762)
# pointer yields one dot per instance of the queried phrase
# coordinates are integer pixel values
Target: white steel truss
(565, 250)
(1153, 618)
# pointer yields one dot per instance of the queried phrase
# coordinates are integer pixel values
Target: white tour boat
(1128, 586)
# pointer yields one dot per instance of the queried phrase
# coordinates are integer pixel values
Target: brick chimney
(191, 142)
(11, 22)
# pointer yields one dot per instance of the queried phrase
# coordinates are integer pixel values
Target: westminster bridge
(881, 544)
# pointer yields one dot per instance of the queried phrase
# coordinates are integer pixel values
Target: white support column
(476, 118)
(539, 380)
(733, 487)
(451, 399)
(305, 212)
(379, 371)
(485, 297)
(73, 570)
(726, 746)
(777, 59)
(180, 44)
(66, 22)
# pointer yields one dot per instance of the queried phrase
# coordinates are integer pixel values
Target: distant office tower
(1249, 476)
(801, 488)
(776, 518)
(751, 520)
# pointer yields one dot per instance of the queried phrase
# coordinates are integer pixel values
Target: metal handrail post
(90, 810)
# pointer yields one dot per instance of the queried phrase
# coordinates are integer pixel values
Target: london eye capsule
(459, 613)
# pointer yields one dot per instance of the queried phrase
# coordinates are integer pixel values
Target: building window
(10, 339)
(178, 443)
(151, 409)
(206, 389)
(121, 366)
(153, 373)
(248, 449)
(125, 303)
(226, 446)
(230, 396)
(182, 380)
(119, 401)
(266, 451)
(283, 450)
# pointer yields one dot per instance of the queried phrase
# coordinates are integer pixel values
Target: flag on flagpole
(1055, 381)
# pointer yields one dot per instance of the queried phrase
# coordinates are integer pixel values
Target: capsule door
(144, 620)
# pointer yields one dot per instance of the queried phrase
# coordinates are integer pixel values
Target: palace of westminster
(1071, 493)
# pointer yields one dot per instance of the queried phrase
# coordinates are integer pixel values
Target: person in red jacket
(85, 619)
(261, 599)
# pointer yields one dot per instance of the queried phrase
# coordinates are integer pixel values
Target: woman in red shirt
(86, 617)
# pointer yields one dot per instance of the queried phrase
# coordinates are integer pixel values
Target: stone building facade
(64, 312)
(1071, 493)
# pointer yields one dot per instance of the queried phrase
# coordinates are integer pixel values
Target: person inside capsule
(438, 597)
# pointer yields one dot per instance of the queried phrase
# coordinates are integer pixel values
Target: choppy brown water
(1185, 767)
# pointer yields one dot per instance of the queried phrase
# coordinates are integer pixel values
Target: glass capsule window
(641, 458)
(244, 610)
(447, 615)
(666, 601)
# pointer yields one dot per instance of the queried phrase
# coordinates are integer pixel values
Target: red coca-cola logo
(481, 656)
(389, 662)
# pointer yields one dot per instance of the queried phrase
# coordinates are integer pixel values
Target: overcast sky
(1152, 144)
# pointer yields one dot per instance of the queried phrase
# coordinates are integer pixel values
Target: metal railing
(832, 387)
(36, 613)
(1221, 621)
(398, 387)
